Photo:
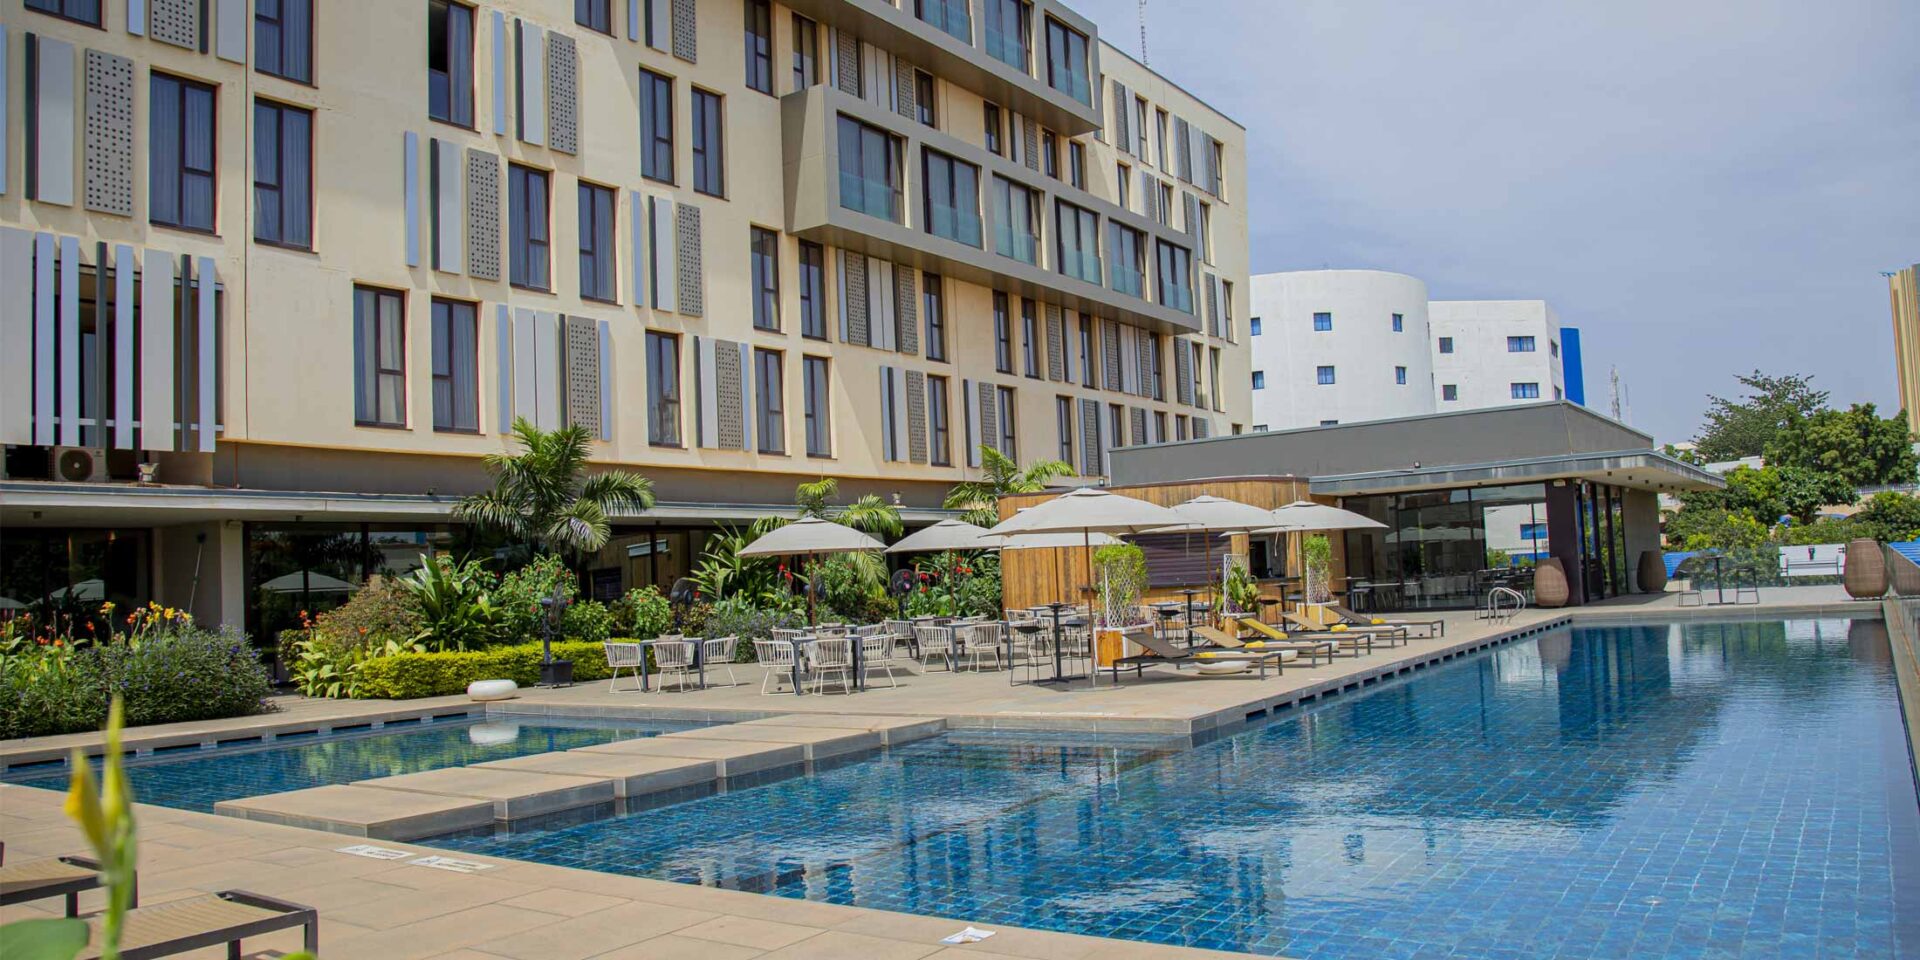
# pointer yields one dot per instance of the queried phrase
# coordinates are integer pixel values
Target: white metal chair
(935, 642)
(901, 631)
(778, 657)
(833, 655)
(876, 653)
(721, 652)
(673, 658)
(981, 638)
(789, 636)
(623, 656)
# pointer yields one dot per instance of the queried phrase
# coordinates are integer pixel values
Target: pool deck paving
(288, 845)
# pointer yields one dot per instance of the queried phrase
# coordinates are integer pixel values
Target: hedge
(406, 676)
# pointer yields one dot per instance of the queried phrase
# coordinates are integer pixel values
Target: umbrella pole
(807, 585)
(1086, 545)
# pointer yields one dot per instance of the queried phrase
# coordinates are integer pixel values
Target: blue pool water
(197, 779)
(1725, 791)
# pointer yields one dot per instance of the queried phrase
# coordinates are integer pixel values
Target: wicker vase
(1549, 583)
(1653, 572)
(1866, 570)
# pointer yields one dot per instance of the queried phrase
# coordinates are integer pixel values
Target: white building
(1492, 353)
(1338, 346)
(1343, 346)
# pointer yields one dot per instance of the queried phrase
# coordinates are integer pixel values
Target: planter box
(558, 673)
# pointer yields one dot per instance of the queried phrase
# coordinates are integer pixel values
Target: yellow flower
(170, 612)
(83, 803)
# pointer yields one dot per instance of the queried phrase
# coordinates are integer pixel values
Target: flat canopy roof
(1529, 443)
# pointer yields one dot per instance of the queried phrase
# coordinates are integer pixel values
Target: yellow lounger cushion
(1376, 621)
(1336, 628)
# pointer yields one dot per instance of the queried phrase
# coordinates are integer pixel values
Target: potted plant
(1121, 570)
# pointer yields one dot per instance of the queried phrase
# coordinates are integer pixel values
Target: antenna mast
(1143, 32)
(1613, 376)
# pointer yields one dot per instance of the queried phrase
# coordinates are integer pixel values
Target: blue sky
(1704, 187)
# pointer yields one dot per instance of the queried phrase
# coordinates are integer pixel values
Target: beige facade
(1903, 287)
(413, 216)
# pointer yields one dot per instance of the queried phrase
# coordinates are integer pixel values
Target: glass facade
(60, 572)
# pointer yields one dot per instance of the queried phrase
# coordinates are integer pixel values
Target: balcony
(972, 65)
(864, 212)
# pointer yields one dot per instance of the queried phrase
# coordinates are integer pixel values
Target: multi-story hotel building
(298, 264)
(1903, 289)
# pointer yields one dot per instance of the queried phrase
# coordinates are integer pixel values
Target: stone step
(733, 758)
(892, 730)
(633, 775)
(818, 743)
(513, 794)
(363, 811)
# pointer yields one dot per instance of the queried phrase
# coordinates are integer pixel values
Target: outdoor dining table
(699, 659)
(800, 657)
(1059, 660)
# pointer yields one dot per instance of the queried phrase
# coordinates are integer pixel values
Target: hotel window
(1086, 351)
(1002, 334)
(527, 227)
(656, 127)
(759, 45)
(1519, 344)
(1553, 347)
(1077, 164)
(80, 11)
(450, 62)
(1259, 379)
(1016, 228)
(1160, 139)
(869, 170)
(806, 52)
(923, 103)
(1179, 426)
(819, 416)
(995, 143)
(1400, 376)
(764, 252)
(1163, 210)
(950, 16)
(1139, 147)
(663, 389)
(1123, 186)
(952, 190)
(1399, 323)
(456, 367)
(1524, 391)
(1063, 421)
(1077, 251)
(1533, 531)
(1205, 231)
(1116, 425)
(1158, 366)
(1449, 392)
(1127, 249)
(181, 154)
(1175, 262)
(1215, 165)
(282, 175)
(1329, 423)
(283, 39)
(1322, 322)
(940, 423)
(1030, 337)
(1446, 344)
(768, 396)
(1050, 154)
(380, 358)
(1219, 388)
(1009, 444)
(933, 303)
(709, 144)
(1067, 61)
(813, 297)
(594, 14)
(597, 220)
(1159, 427)
(1009, 26)
(1253, 327)
(1324, 375)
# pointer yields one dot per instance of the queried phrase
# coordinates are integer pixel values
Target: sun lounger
(1160, 650)
(1434, 628)
(1352, 640)
(1313, 649)
(53, 877)
(229, 916)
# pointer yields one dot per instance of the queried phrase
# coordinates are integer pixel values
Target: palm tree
(980, 497)
(542, 499)
(869, 513)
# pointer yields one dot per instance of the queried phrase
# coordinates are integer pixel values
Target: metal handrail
(1496, 611)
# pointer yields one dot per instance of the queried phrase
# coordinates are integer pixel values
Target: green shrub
(519, 594)
(587, 620)
(407, 676)
(642, 613)
(376, 613)
(171, 674)
(454, 604)
(739, 618)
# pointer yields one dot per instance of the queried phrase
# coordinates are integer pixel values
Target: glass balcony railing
(953, 223)
(875, 198)
(1128, 280)
(1016, 244)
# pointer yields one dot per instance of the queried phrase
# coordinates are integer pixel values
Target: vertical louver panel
(916, 416)
(1149, 196)
(548, 392)
(604, 333)
(157, 302)
(1030, 142)
(503, 365)
(126, 351)
(970, 425)
(410, 189)
(989, 416)
(563, 93)
(1213, 305)
(206, 368)
(6, 109)
(903, 89)
(1137, 421)
(664, 281)
(583, 374)
(854, 327)
(502, 72)
(1122, 115)
(1056, 345)
(16, 336)
(137, 17)
(1182, 372)
(483, 214)
(44, 334)
(230, 22)
(1182, 150)
(685, 40)
(906, 312)
(526, 380)
(1202, 428)
(50, 105)
(1091, 444)
(880, 304)
(846, 62)
(659, 26)
(1145, 358)
(692, 273)
(1190, 220)
(637, 245)
(1110, 354)
(109, 134)
(176, 22)
(730, 395)
(449, 207)
(530, 84)
(67, 329)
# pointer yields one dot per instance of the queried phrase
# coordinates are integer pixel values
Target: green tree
(1743, 427)
(869, 513)
(1003, 477)
(1803, 492)
(1855, 444)
(1889, 517)
(542, 499)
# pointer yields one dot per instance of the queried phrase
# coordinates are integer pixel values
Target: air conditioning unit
(80, 464)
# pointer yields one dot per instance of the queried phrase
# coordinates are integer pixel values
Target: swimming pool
(1725, 790)
(196, 779)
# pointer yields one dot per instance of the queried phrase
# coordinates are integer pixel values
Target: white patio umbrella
(809, 537)
(94, 589)
(947, 536)
(1305, 516)
(1210, 514)
(1053, 541)
(1088, 511)
(307, 581)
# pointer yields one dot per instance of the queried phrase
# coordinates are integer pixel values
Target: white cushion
(484, 690)
(1224, 668)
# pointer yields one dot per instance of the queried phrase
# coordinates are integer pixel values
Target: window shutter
(1030, 141)
(449, 205)
(50, 108)
(531, 84)
(853, 298)
(889, 443)
(548, 393)
(563, 92)
(108, 149)
(881, 301)
(1202, 428)
(503, 365)
(665, 279)
(1056, 345)
(1213, 305)
(970, 412)
(1091, 442)
(916, 416)
(175, 22)
(483, 214)
(989, 416)
(846, 62)
(1182, 372)
(502, 72)
(1110, 354)
(720, 385)
(903, 90)
(1122, 105)
(1190, 212)
(1144, 354)
(410, 193)
(1137, 420)
(1149, 196)
(685, 45)
(906, 313)
(1183, 150)
(583, 373)
(692, 276)
(230, 23)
